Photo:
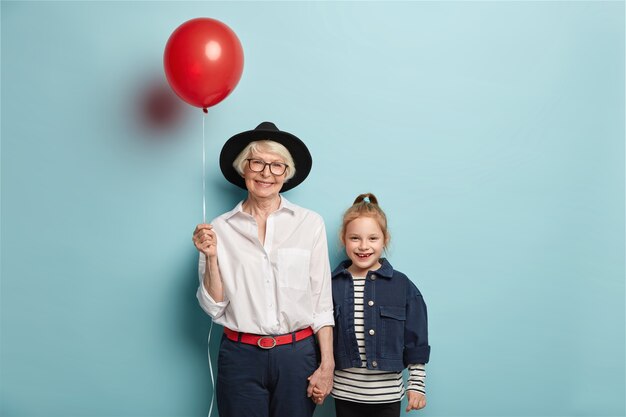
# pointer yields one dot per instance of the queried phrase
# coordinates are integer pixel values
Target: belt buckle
(258, 342)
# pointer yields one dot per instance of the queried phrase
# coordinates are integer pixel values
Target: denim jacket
(396, 329)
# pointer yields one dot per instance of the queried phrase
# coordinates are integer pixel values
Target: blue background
(492, 133)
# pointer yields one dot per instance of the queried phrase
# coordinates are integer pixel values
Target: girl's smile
(364, 241)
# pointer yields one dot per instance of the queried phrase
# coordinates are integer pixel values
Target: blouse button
(370, 303)
(372, 332)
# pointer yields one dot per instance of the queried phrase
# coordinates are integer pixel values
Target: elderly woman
(265, 277)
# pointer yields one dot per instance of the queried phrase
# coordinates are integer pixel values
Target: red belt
(267, 342)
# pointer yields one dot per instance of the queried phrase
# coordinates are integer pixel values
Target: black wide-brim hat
(266, 131)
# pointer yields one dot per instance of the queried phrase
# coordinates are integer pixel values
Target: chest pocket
(392, 319)
(293, 268)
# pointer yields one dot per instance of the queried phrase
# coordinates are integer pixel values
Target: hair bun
(371, 199)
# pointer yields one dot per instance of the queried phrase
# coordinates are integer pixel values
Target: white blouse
(273, 288)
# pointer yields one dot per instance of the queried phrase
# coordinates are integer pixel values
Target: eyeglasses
(276, 168)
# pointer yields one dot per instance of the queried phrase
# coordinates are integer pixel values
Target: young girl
(380, 322)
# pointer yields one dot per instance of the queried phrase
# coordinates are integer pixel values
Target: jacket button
(373, 277)
(372, 332)
(370, 303)
(374, 364)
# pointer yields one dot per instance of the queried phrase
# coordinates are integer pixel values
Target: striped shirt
(366, 385)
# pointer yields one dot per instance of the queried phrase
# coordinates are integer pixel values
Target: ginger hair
(365, 205)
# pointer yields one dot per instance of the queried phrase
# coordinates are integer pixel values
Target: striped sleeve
(417, 378)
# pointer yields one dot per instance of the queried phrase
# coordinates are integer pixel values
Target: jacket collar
(386, 270)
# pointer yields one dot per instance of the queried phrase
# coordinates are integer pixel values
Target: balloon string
(204, 221)
(211, 370)
(203, 173)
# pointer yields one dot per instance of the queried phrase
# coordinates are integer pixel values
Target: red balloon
(203, 61)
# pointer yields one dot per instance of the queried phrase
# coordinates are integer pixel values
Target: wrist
(327, 364)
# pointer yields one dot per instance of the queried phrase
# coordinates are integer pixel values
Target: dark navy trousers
(255, 382)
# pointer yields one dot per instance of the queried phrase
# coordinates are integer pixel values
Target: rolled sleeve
(324, 319)
(417, 349)
(320, 281)
(207, 303)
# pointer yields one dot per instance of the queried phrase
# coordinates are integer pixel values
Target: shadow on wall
(158, 110)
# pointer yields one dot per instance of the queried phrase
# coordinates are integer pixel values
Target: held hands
(320, 384)
(205, 240)
(416, 401)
